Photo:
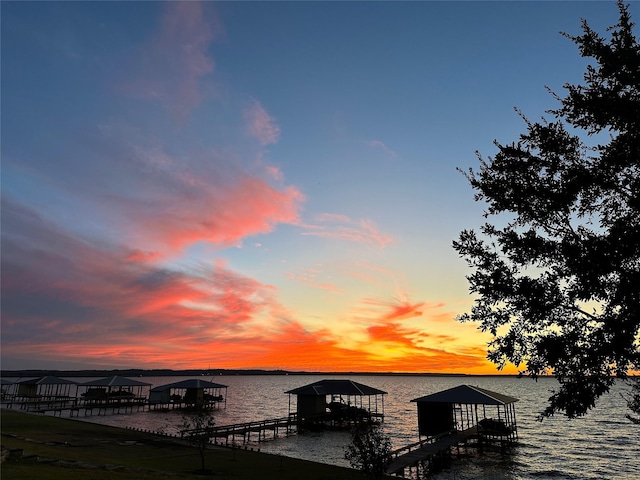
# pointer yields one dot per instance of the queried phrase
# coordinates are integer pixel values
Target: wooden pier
(75, 406)
(110, 407)
(426, 452)
(265, 430)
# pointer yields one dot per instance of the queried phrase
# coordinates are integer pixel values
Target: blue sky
(258, 184)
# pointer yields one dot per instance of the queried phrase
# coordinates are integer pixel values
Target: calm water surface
(602, 445)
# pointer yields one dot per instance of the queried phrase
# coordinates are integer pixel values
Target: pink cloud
(162, 203)
(275, 172)
(143, 256)
(261, 125)
(219, 214)
(363, 231)
(64, 289)
(332, 217)
(369, 273)
(309, 277)
(174, 61)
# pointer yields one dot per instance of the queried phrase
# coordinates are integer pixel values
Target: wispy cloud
(398, 309)
(170, 67)
(377, 144)
(342, 227)
(332, 218)
(309, 277)
(261, 125)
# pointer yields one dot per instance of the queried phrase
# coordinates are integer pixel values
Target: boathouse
(337, 402)
(42, 393)
(489, 415)
(115, 389)
(46, 388)
(462, 416)
(187, 394)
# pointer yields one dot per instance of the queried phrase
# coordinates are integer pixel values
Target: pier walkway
(426, 450)
(60, 405)
(264, 428)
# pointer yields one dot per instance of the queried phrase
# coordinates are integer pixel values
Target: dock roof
(336, 387)
(190, 383)
(115, 381)
(48, 380)
(466, 394)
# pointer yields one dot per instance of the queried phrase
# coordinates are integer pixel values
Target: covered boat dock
(115, 392)
(461, 408)
(188, 394)
(46, 392)
(336, 403)
(463, 416)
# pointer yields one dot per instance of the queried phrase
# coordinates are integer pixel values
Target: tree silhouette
(197, 425)
(369, 450)
(557, 275)
(633, 402)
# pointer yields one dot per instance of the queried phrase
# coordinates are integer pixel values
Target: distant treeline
(165, 372)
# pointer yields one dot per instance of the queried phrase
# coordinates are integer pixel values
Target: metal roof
(336, 387)
(466, 394)
(191, 383)
(48, 380)
(115, 381)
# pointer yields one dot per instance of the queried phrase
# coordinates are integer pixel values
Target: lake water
(601, 445)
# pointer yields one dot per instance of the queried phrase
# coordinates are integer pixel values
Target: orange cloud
(291, 348)
(392, 333)
(399, 309)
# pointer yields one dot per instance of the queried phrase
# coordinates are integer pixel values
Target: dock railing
(419, 444)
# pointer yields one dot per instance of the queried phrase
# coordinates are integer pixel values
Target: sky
(259, 184)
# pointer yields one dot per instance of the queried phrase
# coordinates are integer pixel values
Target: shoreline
(135, 372)
(55, 447)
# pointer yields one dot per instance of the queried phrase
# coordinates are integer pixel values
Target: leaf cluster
(558, 283)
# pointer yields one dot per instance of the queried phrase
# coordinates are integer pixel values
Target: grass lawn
(56, 448)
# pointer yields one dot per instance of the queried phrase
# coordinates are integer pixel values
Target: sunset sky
(258, 185)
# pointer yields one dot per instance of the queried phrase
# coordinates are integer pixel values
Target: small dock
(265, 430)
(457, 417)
